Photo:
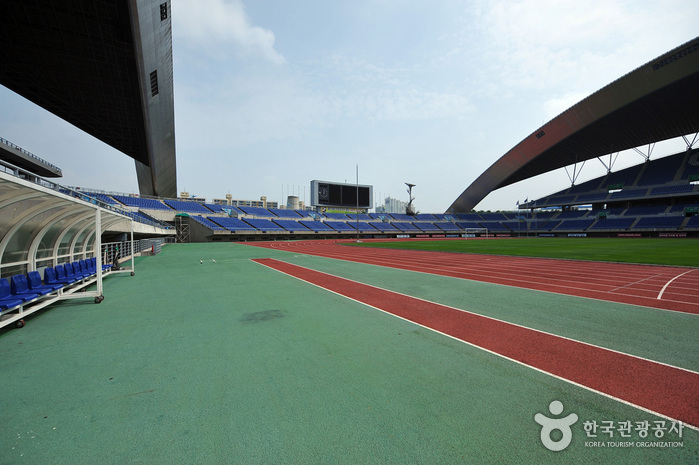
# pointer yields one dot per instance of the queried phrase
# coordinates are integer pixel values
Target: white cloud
(210, 24)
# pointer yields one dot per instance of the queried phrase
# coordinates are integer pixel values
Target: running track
(666, 390)
(669, 288)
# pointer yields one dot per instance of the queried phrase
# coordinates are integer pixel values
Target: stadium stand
(406, 227)
(574, 225)
(659, 222)
(146, 204)
(264, 225)
(232, 224)
(292, 225)
(316, 226)
(620, 224)
(293, 214)
(341, 226)
(257, 211)
(207, 222)
(187, 206)
(336, 216)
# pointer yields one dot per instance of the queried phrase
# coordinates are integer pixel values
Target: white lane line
(662, 291)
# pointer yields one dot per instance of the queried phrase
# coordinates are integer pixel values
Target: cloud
(211, 25)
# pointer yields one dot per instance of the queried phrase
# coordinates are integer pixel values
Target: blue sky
(270, 95)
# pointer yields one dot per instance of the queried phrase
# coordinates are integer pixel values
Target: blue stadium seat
(614, 223)
(385, 227)
(342, 226)
(19, 286)
(7, 300)
(574, 225)
(34, 283)
(317, 226)
(291, 225)
(403, 217)
(257, 211)
(659, 222)
(448, 227)
(426, 226)
(285, 213)
(62, 274)
(187, 206)
(232, 224)
(6, 293)
(406, 226)
(78, 271)
(263, 225)
(51, 276)
(693, 222)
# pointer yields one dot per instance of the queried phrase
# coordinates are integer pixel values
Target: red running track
(666, 390)
(664, 287)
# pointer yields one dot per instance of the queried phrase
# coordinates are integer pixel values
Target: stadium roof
(104, 66)
(658, 101)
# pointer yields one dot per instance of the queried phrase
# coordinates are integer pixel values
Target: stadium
(162, 329)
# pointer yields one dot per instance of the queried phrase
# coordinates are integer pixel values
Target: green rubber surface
(231, 362)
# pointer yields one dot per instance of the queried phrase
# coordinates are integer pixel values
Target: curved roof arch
(657, 101)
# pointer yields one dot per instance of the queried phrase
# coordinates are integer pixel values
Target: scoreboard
(333, 194)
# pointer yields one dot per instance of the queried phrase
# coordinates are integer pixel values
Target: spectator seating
(207, 222)
(403, 217)
(187, 206)
(614, 223)
(660, 171)
(291, 225)
(362, 217)
(7, 295)
(385, 227)
(646, 210)
(336, 216)
(425, 217)
(628, 193)
(34, 283)
(447, 226)
(659, 222)
(574, 225)
(316, 226)
(427, 227)
(570, 214)
(7, 300)
(146, 204)
(285, 213)
(232, 224)
(469, 225)
(19, 286)
(468, 217)
(341, 226)
(256, 211)
(493, 226)
(406, 226)
(263, 225)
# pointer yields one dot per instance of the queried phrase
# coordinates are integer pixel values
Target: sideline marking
(472, 344)
(386, 261)
(662, 291)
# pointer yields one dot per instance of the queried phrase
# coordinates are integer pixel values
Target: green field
(676, 252)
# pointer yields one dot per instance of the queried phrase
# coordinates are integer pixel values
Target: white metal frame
(83, 233)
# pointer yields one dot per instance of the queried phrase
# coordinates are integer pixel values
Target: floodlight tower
(409, 208)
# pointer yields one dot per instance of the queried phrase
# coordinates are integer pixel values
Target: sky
(272, 94)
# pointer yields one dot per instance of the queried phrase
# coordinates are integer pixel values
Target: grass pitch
(655, 251)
